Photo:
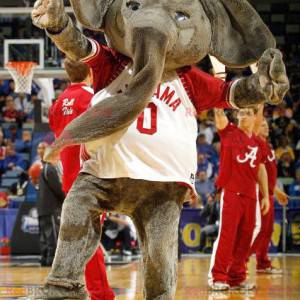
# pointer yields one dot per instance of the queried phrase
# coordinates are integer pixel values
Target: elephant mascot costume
(139, 135)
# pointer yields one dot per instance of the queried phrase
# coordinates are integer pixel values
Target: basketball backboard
(24, 50)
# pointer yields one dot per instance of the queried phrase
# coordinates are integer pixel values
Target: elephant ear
(91, 13)
(239, 35)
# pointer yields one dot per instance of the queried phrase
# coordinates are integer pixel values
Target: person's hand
(281, 197)
(51, 155)
(194, 200)
(11, 165)
(265, 206)
(34, 181)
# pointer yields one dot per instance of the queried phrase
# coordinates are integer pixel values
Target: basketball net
(22, 74)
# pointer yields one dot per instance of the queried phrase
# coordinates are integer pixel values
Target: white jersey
(159, 146)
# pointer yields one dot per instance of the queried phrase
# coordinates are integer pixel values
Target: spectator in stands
(2, 139)
(204, 186)
(2, 145)
(211, 212)
(49, 204)
(284, 147)
(2, 99)
(23, 104)
(281, 121)
(33, 100)
(10, 113)
(12, 160)
(19, 188)
(204, 147)
(206, 129)
(293, 132)
(286, 165)
(204, 165)
(117, 227)
(294, 189)
(297, 164)
(216, 159)
(9, 87)
(24, 144)
(12, 134)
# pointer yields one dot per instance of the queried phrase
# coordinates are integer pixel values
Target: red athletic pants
(96, 279)
(231, 248)
(262, 242)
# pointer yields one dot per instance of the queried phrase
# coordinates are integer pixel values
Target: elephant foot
(58, 292)
(166, 296)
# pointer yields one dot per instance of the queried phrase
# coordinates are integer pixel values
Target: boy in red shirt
(69, 105)
(263, 239)
(241, 167)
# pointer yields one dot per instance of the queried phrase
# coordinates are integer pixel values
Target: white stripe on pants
(216, 243)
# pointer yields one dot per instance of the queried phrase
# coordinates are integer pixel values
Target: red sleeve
(103, 62)
(224, 132)
(51, 116)
(206, 92)
(83, 101)
(263, 150)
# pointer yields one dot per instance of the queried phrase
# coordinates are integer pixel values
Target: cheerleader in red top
(241, 168)
(262, 241)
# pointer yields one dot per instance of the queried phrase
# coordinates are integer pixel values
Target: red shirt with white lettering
(271, 165)
(69, 105)
(204, 90)
(239, 161)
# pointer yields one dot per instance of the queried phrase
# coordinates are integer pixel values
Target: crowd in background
(284, 121)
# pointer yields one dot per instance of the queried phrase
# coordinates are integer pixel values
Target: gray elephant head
(230, 30)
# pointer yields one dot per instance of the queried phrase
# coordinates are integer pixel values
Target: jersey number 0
(140, 121)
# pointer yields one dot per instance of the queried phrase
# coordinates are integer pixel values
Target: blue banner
(191, 224)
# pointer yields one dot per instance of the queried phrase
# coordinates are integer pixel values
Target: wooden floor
(192, 281)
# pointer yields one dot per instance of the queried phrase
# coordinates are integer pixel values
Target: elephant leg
(157, 226)
(78, 239)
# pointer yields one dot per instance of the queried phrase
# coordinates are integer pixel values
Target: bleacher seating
(11, 174)
(8, 182)
(282, 19)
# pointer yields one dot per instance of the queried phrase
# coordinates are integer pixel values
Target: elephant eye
(133, 5)
(181, 16)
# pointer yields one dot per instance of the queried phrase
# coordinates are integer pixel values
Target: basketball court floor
(18, 276)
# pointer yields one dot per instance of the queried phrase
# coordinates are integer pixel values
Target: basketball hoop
(22, 74)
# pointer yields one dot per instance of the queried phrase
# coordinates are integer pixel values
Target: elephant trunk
(118, 112)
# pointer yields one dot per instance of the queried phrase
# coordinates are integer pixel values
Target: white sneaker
(270, 270)
(244, 286)
(219, 286)
(126, 252)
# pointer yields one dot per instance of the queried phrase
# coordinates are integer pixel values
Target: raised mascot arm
(51, 16)
(269, 84)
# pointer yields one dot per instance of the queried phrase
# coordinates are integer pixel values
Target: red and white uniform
(161, 144)
(239, 162)
(70, 104)
(262, 241)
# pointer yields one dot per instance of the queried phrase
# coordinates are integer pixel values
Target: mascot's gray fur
(159, 36)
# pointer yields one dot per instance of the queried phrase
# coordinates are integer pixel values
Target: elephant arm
(51, 16)
(71, 41)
